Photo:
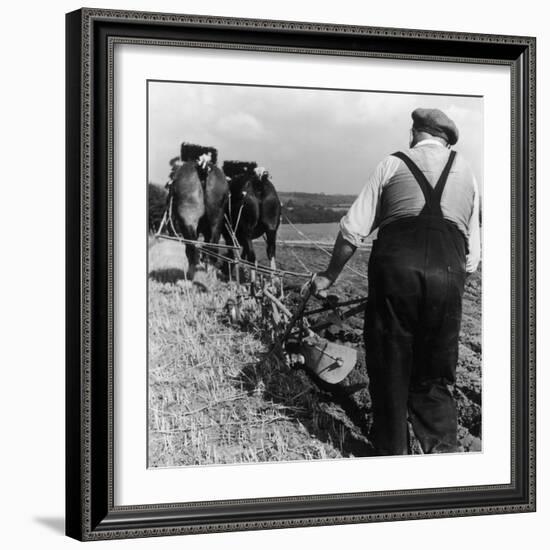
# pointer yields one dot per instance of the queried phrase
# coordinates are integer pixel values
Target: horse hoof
(201, 287)
(200, 280)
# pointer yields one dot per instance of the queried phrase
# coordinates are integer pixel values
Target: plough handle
(336, 305)
(349, 313)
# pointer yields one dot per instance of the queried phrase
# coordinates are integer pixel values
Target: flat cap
(436, 123)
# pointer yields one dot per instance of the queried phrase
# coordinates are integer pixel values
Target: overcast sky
(309, 140)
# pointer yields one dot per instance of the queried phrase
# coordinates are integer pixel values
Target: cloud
(240, 125)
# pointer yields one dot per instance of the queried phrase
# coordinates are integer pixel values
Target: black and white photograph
(314, 262)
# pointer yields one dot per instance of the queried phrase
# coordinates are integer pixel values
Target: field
(315, 199)
(317, 232)
(215, 398)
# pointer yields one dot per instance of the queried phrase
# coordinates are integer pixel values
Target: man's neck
(429, 141)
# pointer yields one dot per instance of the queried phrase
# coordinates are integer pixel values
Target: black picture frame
(90, 512)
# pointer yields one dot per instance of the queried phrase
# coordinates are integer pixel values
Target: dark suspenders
(432, 195)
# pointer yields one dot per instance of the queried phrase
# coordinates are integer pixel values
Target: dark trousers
(416, 282)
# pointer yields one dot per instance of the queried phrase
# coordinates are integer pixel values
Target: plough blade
(329, 361)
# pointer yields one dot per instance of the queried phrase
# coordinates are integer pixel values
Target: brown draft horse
(199, 206)
(254, 209)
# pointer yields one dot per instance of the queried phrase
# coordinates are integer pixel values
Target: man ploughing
(425, 204)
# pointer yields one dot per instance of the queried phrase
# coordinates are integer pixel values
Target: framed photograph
(300, 274)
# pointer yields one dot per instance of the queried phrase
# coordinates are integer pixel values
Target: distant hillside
(313, 207)
(310, 214)
(320, 200)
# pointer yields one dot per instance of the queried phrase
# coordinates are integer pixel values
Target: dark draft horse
(199, 206)
(254, 209)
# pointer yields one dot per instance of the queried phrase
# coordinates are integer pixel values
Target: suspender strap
(440, 185)
(418, 176)
(432, 196)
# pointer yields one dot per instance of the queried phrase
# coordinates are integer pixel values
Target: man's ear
(412, 138)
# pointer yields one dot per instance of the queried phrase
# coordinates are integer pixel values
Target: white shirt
(365, 214)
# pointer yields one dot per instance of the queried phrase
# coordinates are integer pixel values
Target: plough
(302, 346)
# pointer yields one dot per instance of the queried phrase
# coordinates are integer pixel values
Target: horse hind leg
(250, 256)
(206, 258)
(212, 236)
(191, 251)
(230, 254)
(271, 238)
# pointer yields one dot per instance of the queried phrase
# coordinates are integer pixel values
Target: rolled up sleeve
(474, 235)
(362, 217)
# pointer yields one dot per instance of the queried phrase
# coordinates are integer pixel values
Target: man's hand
(341, 253)
(321, 282)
